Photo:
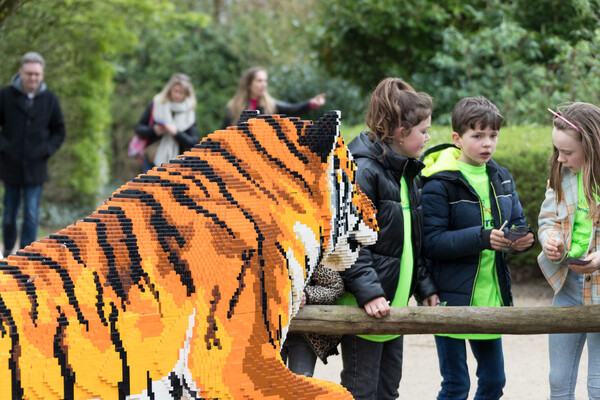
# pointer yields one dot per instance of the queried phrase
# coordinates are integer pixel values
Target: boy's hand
(378, 307)
(554, 249)
(523, 243)
(498, 241)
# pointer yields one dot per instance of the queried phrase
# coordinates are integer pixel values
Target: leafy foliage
(78, 46)
(524, 56)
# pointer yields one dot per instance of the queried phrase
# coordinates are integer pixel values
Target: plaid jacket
(556, 221)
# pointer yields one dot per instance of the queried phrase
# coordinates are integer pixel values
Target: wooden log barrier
(427, 320)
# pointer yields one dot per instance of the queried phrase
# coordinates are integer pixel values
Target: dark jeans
(372, 370)
(456, 383)
(31, 206)
(298, 355)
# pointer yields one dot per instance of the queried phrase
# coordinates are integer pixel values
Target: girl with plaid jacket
(569, 231)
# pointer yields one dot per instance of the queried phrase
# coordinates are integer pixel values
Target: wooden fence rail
(427, 320)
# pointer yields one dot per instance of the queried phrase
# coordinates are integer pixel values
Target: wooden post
(427, 320)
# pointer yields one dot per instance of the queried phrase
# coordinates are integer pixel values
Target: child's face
(477, 145)
(411, 145)
(570, 150)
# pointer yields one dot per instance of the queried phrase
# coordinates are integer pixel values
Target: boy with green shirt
(467, 198)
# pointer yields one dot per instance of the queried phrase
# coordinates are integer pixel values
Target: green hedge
(525, 151)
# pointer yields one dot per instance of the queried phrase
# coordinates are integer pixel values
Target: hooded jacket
(31, 131)
(453, 231)
(377, 269)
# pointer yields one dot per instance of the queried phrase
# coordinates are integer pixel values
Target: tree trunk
(7, 7)
(428, 320)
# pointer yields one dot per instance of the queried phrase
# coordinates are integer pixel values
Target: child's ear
(456, 139)
(399, 133)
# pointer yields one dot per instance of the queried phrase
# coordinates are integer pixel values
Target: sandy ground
(525, 358)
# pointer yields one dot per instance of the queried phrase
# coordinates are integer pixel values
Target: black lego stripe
(215, 147)
(149, 386)
(100, 298)
(13, 363)
(125, 385)
(70, 245)
(68, 285)
(130, 242)
(113, 277)
(273, 159)
(164, 230)
(281, 135)
(27, 282)
(246, 257)
(61, 355)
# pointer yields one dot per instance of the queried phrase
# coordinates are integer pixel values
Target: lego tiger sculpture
(183, 283)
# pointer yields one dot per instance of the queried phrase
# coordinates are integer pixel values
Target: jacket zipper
(481, 211)
(466, 183)
(496, 281)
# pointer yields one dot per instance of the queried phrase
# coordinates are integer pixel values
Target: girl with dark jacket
(387, 273)
(252, 94)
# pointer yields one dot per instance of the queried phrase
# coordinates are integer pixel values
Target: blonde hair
(241, 100)
(185, 82)
(586, 117)
(395, 103)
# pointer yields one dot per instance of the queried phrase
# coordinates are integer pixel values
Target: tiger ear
(247, 114)
(321, 135)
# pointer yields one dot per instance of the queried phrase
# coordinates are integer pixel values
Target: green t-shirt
(486, 292)
(582, 227)
(406, 267)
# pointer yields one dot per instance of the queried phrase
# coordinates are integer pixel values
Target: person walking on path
(252, 94)
(32, 130)
(169, 122)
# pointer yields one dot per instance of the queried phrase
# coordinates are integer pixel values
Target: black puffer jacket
(31, 131)
(376, 271)
(453, 235)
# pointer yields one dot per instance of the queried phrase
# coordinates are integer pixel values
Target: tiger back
(183, 283)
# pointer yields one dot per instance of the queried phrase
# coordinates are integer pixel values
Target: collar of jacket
(441, 161)
(18, 85)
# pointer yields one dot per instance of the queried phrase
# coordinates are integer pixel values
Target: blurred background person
(169, 122)
(33, 129)
(252, 94)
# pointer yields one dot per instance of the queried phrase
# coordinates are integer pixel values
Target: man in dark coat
(32, 128)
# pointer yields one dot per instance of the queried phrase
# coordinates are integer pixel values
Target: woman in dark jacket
(169, 122)
(390, 271)
(252, 94)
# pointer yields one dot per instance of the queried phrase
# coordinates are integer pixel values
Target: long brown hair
(395, 103)
(241, 100)
(586, 117)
